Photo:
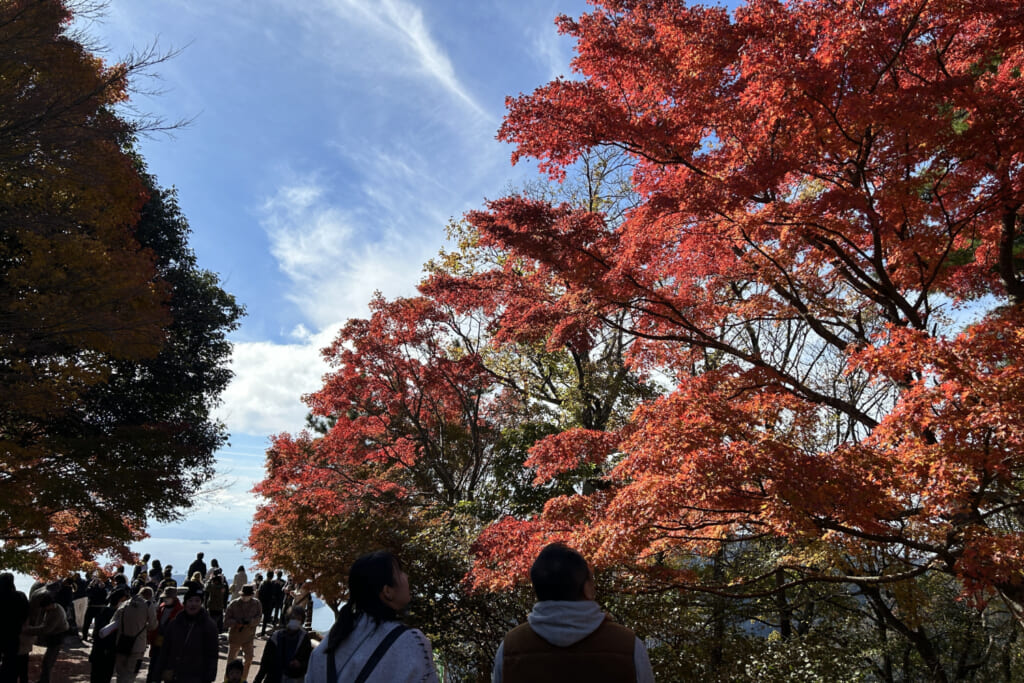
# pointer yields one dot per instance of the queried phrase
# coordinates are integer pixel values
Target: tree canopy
(112, 340)
(807, 305)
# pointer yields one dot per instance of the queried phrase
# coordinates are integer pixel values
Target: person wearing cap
(241, 618)
(170, 607)
(134, 622)
(189, 653)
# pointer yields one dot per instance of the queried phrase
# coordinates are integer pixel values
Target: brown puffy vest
(605, 656)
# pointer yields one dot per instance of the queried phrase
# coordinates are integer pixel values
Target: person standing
(198, 565)
(367, 639)
(278, 612)
(216, 599)
(304, 598)
(266, 595)
(96, 593)
(567, 636)
(242, 618)
(170, 607)
(13, 614)
(156, 573)
(48, 622)
(168, 581)
(140, 572)
(134, 621)
(189, 652)
(193, 583)
(103, 656)
(239, 580)
(286, 654)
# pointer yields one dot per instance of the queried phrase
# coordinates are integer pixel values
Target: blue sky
(332, 141)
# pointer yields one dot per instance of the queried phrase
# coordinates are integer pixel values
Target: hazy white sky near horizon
(332, 141)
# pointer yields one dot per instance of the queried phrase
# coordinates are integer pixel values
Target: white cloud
(336, 259)
(265, 396)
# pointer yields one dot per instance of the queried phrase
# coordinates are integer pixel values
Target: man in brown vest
(568, 637)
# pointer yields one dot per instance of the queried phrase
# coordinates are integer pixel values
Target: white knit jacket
(408, 660)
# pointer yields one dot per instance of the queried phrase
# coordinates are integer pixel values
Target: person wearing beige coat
(241, 619)
(134, 619)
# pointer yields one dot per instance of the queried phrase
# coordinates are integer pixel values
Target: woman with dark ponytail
(367, 643)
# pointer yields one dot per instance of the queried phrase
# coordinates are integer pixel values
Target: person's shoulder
(414, 638)
(613, 625)
(517, 630)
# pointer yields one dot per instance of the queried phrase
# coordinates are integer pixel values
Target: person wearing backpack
(368, 644)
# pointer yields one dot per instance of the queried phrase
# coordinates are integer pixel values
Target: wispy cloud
(550, 51)
(335, 258)
(390, 38)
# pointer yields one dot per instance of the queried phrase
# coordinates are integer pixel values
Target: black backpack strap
(378, 654)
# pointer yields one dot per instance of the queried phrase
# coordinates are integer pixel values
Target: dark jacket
(605, 656)
(285, 654)
(268, 594)
(190, 649)
(13, 614)
(196, 566)
(103, 649)
(216, 596)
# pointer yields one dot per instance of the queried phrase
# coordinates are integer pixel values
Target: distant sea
(179, 553)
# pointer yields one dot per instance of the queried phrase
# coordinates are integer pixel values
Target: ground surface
(73, 664)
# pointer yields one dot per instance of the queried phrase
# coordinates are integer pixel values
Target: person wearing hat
(170, 607)
(189, 653)
(241, 618)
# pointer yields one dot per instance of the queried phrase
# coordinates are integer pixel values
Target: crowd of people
(181, 626)
(567, 636)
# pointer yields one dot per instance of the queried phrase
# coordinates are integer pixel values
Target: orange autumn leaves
(821, 278)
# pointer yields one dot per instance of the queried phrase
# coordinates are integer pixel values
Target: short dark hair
(559, 573)
(235, 665)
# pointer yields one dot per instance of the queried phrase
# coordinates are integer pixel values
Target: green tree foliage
(112, 345)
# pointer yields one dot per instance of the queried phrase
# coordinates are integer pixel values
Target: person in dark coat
(141, 570)
(156, 572)
(170, 607)
(97, 595)
(189, 654)
(198, 565)
(13, 614)
(103, 655)
(286, 654)
(267, 594)
(216, 599)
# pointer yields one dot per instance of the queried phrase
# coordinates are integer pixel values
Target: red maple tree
(825, 262)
